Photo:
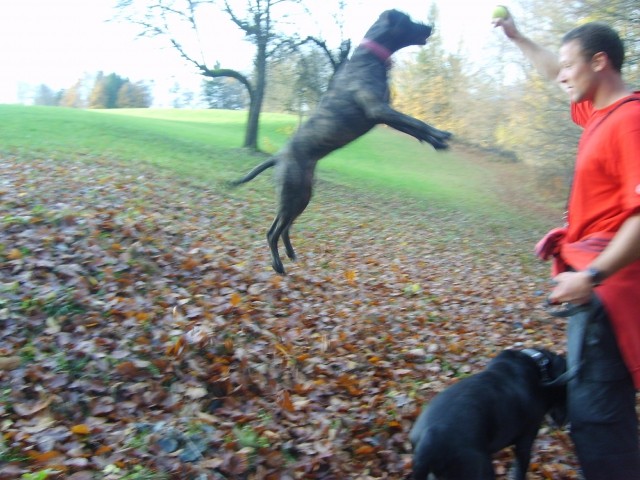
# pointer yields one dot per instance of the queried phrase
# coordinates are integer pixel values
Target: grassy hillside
(204, 146)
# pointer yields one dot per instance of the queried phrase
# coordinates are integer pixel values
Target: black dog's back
(441, 442)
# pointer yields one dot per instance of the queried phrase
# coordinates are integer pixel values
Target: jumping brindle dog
(356, 101)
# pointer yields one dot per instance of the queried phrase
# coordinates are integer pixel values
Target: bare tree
(256, 18)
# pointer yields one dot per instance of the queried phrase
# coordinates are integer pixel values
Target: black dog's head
(395, 30)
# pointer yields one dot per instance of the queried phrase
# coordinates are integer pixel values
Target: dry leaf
(81, 429)
(10, 363)
(284, 401)
(235, 300)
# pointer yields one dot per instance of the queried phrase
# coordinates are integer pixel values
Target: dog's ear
(393, 17)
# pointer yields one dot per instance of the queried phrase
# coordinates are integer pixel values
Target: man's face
(576, 76)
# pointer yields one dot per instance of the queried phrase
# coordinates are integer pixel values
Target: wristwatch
(597, 277)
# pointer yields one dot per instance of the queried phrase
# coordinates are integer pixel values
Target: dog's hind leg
(273, 235)
(295, 195)
(280, 229)
(295, 190)
(470, 464)
(287, 243)
(451, 462)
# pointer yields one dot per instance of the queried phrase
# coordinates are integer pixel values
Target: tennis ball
(500, 12)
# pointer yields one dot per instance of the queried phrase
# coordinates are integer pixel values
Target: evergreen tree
(105, 91)
(44, 95)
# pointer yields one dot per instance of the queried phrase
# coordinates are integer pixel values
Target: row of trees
(101, 91)
(501, 103)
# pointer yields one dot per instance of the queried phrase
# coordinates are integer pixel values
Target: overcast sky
(57, 42)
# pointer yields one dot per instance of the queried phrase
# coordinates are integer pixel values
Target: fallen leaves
(10, 363)
(142, 331)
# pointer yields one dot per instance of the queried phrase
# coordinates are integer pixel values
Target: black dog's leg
(471, 464)
(522, 451)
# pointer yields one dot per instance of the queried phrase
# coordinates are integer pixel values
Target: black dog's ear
(393, 16)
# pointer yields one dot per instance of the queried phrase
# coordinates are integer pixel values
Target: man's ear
(599, 61)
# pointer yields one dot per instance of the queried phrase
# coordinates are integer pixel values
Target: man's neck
(612, 89)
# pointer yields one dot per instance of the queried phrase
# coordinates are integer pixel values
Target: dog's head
(395, 30)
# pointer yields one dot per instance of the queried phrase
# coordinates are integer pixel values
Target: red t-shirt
(605, 192)
(606, 184)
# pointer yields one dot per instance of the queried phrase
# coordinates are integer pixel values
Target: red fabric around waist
(619, 293)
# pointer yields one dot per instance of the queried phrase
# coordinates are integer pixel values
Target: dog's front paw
(437, 142)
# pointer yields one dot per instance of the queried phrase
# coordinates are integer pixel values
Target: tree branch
(227, 72)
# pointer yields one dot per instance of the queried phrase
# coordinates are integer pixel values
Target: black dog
(357, 100)
(503, 405)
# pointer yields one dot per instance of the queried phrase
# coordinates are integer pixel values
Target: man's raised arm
(544, 60)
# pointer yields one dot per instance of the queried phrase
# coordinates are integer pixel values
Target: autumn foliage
(144, 335)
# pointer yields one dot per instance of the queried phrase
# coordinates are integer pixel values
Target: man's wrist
(596, 276)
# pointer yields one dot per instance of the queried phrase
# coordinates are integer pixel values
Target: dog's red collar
(374, 47)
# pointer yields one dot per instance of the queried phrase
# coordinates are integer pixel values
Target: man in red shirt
(597, 254)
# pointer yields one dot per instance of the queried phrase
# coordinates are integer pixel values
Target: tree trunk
(255, 106)
(251, 133)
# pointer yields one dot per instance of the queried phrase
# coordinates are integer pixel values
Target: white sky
(57, 42)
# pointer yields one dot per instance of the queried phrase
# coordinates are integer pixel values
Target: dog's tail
(254, 173)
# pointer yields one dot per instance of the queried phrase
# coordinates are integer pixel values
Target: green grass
(204, 146)
(389, 160)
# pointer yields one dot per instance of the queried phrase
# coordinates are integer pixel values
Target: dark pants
(602, 407)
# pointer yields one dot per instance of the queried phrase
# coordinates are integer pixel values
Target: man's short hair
(595, 37)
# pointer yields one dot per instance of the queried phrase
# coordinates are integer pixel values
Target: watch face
(596, 276)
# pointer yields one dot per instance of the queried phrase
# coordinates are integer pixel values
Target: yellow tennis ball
(500, 12)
